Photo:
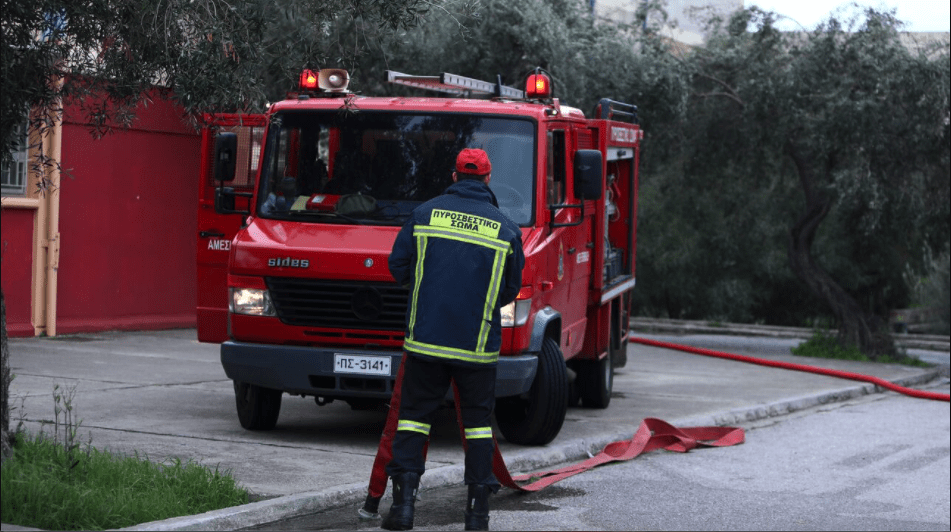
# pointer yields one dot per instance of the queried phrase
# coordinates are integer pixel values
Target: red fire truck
(299, 209)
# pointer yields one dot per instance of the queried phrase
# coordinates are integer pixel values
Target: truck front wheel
(258, 408)
(535, 418)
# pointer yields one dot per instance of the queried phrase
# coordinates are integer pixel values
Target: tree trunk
(856, 326)
(4, 383)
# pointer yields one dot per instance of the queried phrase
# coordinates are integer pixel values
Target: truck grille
(339, 304)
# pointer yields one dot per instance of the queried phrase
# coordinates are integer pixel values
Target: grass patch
(55, 487)
(825, 345)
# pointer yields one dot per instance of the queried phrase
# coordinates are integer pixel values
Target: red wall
(16, 247)
(127, 224)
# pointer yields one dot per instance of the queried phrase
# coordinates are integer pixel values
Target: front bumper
(310, 371)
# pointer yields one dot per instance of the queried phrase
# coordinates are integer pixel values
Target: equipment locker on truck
(292, 253)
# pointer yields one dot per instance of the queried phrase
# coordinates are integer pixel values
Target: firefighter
(462, 260)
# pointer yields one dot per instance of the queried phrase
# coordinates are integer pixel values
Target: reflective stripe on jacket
(462, 259)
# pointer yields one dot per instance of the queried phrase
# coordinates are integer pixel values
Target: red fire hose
(652, 433)
(798, 367)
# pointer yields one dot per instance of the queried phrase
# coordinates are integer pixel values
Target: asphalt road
(878, 462)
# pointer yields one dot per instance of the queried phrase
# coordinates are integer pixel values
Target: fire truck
(299, 208)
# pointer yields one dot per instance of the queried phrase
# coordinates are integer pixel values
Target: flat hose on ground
(651, 434)
(797, 367)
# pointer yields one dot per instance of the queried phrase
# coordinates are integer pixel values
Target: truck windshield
(375, 167)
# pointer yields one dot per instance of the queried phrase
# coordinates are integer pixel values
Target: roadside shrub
(825, 345)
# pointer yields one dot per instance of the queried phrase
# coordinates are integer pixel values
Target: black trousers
(426, 382)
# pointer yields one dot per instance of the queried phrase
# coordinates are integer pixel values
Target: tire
(574, 396)
(619, 323)
(535, 418)
(258, 408)
(596, 381)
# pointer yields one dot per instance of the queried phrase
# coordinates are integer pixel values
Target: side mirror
(589, 178)
(226, 154)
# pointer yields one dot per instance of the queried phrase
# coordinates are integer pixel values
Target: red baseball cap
(473, 161)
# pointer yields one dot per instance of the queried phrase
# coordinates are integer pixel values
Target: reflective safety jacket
(462, 260)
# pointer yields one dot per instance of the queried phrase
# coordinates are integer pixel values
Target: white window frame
(13, 174)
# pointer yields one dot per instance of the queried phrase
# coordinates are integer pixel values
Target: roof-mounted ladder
(454, 84)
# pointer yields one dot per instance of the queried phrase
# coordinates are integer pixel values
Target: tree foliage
(212, 55)
(587, 58)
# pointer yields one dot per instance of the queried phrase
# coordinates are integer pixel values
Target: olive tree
(855, 119)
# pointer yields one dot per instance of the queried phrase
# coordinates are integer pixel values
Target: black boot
(477, 507)
(405, 486)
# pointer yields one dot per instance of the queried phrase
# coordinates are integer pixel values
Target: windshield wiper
(390, 218)
(386, 213)
(304, 214)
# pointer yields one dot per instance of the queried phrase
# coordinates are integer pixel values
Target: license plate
(361, 364)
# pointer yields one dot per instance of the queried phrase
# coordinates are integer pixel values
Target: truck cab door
(216, 231)
(570, 241)
(579, 249)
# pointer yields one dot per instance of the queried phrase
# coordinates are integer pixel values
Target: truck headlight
(251, 301)
(515, 314)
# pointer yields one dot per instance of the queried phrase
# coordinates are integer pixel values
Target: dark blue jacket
(462, 260)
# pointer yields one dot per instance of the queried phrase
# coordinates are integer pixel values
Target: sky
(919, 15)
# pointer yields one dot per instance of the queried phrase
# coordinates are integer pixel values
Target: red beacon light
(538, 86)
(308, 80)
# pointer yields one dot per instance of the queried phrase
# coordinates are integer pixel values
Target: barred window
(13, 173)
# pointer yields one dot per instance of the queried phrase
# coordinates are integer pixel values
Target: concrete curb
(301, 504)
(262, 512)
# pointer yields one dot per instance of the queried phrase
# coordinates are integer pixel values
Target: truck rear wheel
(258, 408)
(535, 418)
(620, 322)
(596, 381)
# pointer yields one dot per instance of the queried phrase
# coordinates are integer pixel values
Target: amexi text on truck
(299, 208)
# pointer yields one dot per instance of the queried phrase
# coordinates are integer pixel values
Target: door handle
(571, 251)
(206, 234)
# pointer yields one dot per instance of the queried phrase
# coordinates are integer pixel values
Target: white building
(684, 24)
